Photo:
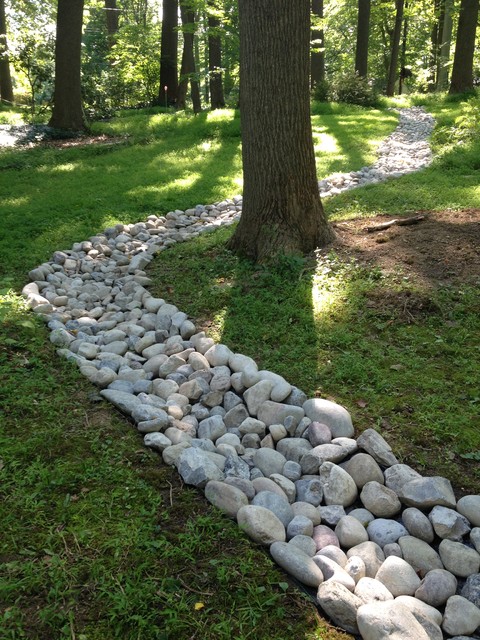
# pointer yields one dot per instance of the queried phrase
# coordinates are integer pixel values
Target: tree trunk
(435, 39)
(317, 72)
(363, 29)
(445, 42)
(403, 54)
(217, 99)
(67, 98)
(462, 72)
(392, 73)
(187, 72)
(282, 211)
(6, 88)
(111, 16)
(167, 94)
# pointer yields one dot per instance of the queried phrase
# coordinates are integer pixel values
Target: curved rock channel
(389, 553)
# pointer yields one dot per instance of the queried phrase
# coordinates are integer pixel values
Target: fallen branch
(402, 222)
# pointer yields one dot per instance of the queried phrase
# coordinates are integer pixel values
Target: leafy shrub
(321, 91)
(352, 88)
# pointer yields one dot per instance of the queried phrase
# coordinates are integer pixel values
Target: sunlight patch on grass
(324, 142)
(16, 202)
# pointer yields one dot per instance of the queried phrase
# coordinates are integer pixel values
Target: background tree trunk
(462, 72)
(217, 99)
(363, 30)
(67, 98)
(187, 72)
(282, 211)
(445, 42)
(392, 73)
(169, 54)
(111, 17)
(6, 88)
(403, 53)
(317, 73)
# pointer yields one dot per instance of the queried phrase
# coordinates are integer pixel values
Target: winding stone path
(265, 454)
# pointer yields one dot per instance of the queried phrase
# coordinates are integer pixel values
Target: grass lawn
(102, 541)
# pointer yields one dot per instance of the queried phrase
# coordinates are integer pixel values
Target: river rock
(371, 554)
(340, 605)
(398, 576)
(371, 590)
(469, 506)
(225, 497)
(436, 587)
(296, 563)
(461, 616)
(333, 415)
(458, 558)
(350, 532)
(363, 468)
(269, 461)
(417, 524)
(374, 444)
(195, 467)
(380, 500)
(275, 503)
(385, 532)
(338, 485)
(448, 523)
(261, 524)
(324, 536)
(333, 572)
(389, 621)
(471, 589)
(425, 493)
(420, 555)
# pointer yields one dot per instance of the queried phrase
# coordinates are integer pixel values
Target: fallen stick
(402, 222)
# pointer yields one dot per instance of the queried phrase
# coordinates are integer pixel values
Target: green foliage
(322, 91)
(353, 89)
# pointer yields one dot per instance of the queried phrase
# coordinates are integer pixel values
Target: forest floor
(442, 249)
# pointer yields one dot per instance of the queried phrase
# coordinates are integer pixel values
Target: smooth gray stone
(420, 555)
(276, 412)
(333, 415)
(212, 428)
(256, 395)
(392, 549)
(231, 400)
(240, 483)
(312, 460)
(338, 485)
(461, 616)
(297, 563)
(333, 572)
(196, 468)
(261, 524)
(364, 468)
(458, 558)
(293, 448)
(389, 621)
(350, 532)
(340, 605)
(380, 500)
(126, 402)
(305, 543)
(334, 553)
(355, 567)
(448, 523)
(469, 506)
(292, 470)
(374, 444)
(275, 503)
(157, 441)
(225, 497)
(436, 587)
(363, 515)
(235, 416)
(146, 412)
(417, 524)
(398, 576)
(286, 485)
(269, 461)
(371, 590)
(475, 538)
(299, 526)
(384, 531)
(421, 610)
(425, 493)
(323, 537)
(306, 509)
(319, 433)
(296, 397)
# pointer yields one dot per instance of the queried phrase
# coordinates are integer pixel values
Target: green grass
(101, 541)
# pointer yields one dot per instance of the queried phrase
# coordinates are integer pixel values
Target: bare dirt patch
(442, 249)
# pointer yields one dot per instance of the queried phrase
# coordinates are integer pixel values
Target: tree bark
(217, 99)
(445, 42)
(111, 17)
(282, 212)
(67, 98)
(403, 53)
(6, 88)
(187, 71)
(435, 38)
(167, 94)
(392, 73)
(363, 30)
(462, 72)
(317, 71)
